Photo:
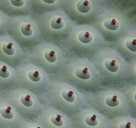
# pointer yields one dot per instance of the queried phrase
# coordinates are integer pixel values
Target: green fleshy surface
(71, 53)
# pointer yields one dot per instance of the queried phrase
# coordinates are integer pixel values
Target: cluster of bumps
(66, 63)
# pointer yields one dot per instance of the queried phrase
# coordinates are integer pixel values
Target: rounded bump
(34, 76)
(83, 6)
(112, 101)
(85, 37)
(111, 24)
(57, 23)
(83, 73)
(112, 65)
(26, 29)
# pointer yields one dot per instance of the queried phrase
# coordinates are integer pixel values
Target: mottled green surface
(71, 53)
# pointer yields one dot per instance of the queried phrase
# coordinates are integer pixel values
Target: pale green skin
(71, 53)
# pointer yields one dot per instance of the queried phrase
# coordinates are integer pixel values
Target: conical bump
(50, 55)
(83, 73)
(112, 101)
(112, 65)
(26, 29)
(58, 118)
(83, 6)
(8, 110)
(57, 23)
(85, 37)
(4, 72)
(131, 44)
(68, 95)
(8, 48)
(91, 120)
(111, 24)
(34, 75)
(26, 100)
